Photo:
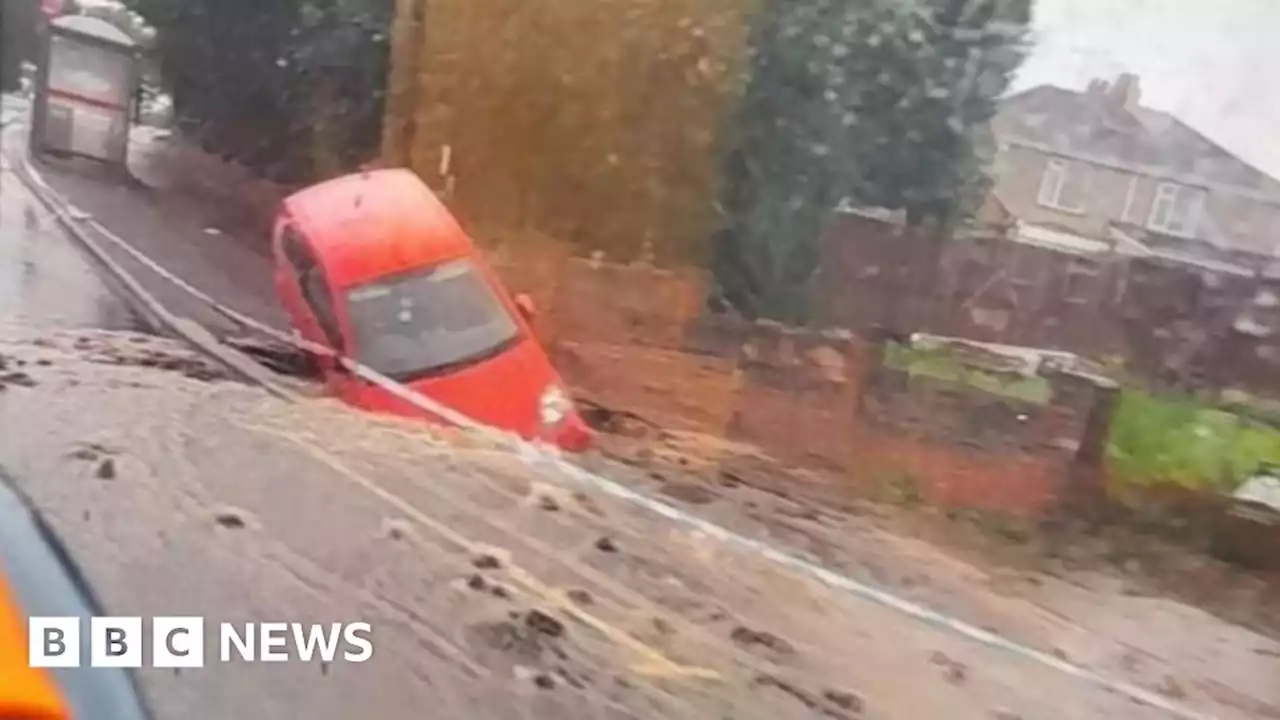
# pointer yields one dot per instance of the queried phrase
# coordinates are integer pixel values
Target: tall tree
(879, 102)
(246, 76)
(19, 25)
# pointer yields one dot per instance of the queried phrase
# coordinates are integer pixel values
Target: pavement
(500, 590)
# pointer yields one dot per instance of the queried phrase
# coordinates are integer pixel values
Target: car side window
(314, 288)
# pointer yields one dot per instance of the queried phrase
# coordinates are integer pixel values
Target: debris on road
(807, 699)
(955, 672)
(17, 379)
(748, 638)
(544, 623)
(675, 627)
(487, 562)
(522, 639)
(396, 529)
(106, 469)
(276, 355)
(690, 493)
(231, 519)
(844, 700)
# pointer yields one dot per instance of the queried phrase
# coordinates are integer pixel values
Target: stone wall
(961, 446)
(799, 393)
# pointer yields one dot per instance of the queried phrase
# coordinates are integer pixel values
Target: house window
(1064, 185)
(1176, 209)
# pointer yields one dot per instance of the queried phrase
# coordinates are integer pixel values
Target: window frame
(481, 274)
(308, 274)
(1167, 197)
(1054, 182)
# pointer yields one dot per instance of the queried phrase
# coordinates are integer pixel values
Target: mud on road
(495, 590)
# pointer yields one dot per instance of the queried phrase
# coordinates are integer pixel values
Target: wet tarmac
(11, 109)
(45, 279)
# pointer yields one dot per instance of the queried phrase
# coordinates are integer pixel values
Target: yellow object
(26, 693)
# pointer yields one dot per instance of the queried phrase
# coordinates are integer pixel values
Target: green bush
(1179, 440)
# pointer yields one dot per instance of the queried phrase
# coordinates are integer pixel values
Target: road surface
(44, 278)
(12, 108)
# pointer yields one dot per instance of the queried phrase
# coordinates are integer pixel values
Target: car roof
(42, 580)
(373, 224)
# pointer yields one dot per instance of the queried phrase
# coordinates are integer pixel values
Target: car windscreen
(429, 322)
(47, 582)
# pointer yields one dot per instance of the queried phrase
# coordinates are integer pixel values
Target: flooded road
(45, 279)
(494, 588)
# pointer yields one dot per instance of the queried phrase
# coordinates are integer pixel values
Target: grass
(1154, 439)
(939, 365)
(1166, 440)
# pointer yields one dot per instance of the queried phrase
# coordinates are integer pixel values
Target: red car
(375, 267)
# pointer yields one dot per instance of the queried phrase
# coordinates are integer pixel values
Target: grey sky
(1213, 63)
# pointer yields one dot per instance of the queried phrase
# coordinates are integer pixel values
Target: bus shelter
(85, 88)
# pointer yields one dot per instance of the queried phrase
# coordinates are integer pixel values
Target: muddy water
(1105, 618)
(497, 591)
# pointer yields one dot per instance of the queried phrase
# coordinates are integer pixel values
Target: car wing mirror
(525, 305)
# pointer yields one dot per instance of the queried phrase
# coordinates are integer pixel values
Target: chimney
(1125, 92)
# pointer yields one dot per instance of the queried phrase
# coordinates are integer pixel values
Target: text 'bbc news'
(179, 642)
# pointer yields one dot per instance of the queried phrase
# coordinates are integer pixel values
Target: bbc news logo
(179, 642)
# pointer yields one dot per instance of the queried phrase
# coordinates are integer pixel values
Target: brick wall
(632, 337)
(799, 392)
(961, 446)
